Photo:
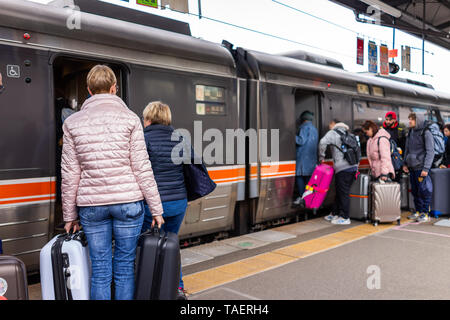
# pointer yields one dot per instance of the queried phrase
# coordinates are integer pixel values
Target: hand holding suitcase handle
(68, 226)
(159, 221)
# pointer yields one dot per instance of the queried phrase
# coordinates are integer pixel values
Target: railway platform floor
(315, 259)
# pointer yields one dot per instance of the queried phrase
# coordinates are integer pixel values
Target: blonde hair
(100, 79)
(158, 113)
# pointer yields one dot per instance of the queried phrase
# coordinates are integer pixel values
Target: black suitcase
(440, 204)
(158, 264)
(13, 279)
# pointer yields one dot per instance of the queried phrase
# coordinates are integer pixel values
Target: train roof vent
(410, 81)
(313, 58)
(109, 10)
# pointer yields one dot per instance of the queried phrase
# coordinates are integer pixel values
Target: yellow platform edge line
(210, 278)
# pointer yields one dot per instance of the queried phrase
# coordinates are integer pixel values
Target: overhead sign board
(373, 57)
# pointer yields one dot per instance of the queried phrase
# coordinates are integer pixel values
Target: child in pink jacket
(379, 151)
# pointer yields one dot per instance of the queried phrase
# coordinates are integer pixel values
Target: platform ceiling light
(384, 7)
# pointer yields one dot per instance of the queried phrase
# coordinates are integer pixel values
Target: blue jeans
(174, 212)
(302, 181)
(421, 191)
(99, 224)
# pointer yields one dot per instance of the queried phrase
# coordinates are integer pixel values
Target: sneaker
(297, 201)
(414, 216)
(423, 218)
(331, 217)
(341, 220)
(181, 294)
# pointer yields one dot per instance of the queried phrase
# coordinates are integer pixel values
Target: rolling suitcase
(385, 202)
(440, 203)
(65, 268)
(13, 279)
(359, 198)
(158, 264)
(318, 186)
(405, 192)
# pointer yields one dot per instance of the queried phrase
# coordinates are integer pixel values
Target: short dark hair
(412, 116)
(370, 124)
(447, 126)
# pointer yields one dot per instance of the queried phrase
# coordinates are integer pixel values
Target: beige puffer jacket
(105, 159)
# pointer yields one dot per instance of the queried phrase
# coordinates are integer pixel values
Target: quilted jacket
(380, 158)
(104, 159)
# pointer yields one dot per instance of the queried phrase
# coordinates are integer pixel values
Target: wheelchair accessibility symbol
(13, 71)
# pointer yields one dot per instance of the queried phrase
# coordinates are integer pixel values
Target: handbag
(197, 180)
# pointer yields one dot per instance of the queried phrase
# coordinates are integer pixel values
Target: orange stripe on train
(27, 189)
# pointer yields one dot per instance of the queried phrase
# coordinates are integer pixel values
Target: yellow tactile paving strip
(200, 281)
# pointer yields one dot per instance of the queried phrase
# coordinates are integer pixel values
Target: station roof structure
(430, 18)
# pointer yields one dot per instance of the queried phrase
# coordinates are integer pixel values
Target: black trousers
(343, 183)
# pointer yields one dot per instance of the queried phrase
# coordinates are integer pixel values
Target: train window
(210, 100)
(404, 112)
(378, 91)
(363, 111)
(445, 116)
(362, 88)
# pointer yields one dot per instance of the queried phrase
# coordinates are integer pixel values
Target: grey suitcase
(359, 198)
(13, 279)
(440, 204)
(386, 202)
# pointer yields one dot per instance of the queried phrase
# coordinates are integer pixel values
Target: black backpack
(349, 147)
(396, 158)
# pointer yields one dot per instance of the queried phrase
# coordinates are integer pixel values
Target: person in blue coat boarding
(306, 142)
(160, 140)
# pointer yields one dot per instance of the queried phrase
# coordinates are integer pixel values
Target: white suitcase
(65, 268)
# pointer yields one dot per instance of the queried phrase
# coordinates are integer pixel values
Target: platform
(317, 260)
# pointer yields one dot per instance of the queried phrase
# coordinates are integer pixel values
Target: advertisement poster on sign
(360, 51)
(373, 57)
(384, 60)
(406, 58)
(148, 3)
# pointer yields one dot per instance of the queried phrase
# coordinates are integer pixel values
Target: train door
(305, 101)
(70, 92)
(26, 178)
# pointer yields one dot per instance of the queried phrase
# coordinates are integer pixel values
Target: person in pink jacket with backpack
(379, 151)
(106, 175)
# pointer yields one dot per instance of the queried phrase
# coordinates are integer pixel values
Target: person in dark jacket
(160, 140)
(391, 125)
(419, 155)
(306, 141)
(446, 163)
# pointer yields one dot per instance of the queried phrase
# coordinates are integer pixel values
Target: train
(44, 66)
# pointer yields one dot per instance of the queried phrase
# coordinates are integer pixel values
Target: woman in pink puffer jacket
(106, 173)
(379, 151)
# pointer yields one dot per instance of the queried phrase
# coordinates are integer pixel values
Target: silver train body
(224, 88)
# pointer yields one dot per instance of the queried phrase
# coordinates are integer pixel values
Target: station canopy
(418, 17)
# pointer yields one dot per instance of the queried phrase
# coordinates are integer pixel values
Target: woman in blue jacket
(306, 141)
(168, 175)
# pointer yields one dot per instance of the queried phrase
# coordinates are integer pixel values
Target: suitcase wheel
(375, 223)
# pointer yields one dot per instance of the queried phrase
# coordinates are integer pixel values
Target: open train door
(69, 73)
